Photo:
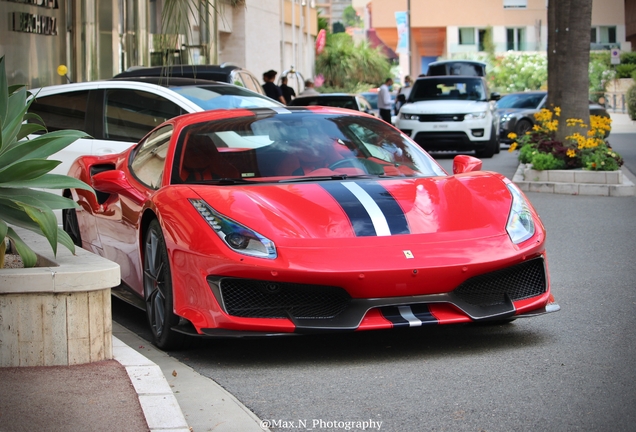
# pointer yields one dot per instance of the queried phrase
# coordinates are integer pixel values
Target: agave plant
(23, 167)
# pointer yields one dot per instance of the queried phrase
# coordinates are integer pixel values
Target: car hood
(444, 107)
(473, 205)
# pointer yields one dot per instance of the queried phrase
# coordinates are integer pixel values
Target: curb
(202, 403)
(625, 189)
(159, 405)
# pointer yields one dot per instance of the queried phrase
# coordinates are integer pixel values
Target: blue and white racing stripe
(371, 209)
(408, 315)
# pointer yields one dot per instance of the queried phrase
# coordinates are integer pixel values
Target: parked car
(372, 98)
(340, 100)
(516, 112)
(457, 67)
(118, 113)
(225, 72)
(254, 222)
(451, 113)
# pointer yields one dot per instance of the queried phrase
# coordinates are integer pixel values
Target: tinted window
(526, 101)
(150, 157)
(276, 147)
(62, 111)
(332, 101)
(448, 88)
(131, 114)
(458, 68)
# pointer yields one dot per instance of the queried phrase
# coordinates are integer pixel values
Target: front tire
(489, 150)
(158, 291)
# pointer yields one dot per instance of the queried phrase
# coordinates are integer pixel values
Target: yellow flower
(513, 146)
(557, 111)
(512, 135)
(571, 153)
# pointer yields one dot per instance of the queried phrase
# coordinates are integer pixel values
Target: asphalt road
(568, 371)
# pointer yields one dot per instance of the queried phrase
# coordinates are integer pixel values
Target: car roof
(442, 62)
(171, 81)
(216, 71)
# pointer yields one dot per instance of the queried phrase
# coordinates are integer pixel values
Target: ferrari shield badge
(408, 254)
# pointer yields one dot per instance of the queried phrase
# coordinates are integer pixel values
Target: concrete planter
(58, 313)
(574, 182)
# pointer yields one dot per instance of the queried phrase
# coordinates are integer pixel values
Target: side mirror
(495, 96)
(465, 163)
(115, 182)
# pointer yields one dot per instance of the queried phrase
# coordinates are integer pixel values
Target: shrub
(625, 70)
(628, 57)
(23, 166)
(546, 161)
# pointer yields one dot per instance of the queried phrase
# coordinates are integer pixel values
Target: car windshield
(300, 146)
(214, 97)
(448, 88)
(521, 101)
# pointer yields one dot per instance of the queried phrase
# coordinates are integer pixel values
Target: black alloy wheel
(522, 127)
(71, 226)
(158, 291)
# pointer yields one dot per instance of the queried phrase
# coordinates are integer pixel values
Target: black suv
(225, 73)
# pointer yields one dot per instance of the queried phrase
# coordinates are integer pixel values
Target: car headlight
(475, 115)
(238, 237)
(407, 116)
(520, 224)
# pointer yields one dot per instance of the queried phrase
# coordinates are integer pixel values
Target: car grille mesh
(441, 117)
(264, 299)
(518, 282)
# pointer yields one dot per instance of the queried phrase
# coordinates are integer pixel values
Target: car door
(63, 110)
(118, 218)
(127, 115)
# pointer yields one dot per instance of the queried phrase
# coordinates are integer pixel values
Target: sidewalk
(621, 123)
(141, 389)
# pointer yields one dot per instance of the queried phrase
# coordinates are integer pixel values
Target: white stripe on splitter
(377, 217)
(407, 314)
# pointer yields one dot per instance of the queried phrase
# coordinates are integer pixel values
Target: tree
(569, 23)
(351, 17)
(346, 66)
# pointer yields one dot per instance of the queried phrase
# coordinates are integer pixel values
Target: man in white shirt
(384, 100)
(309, 89)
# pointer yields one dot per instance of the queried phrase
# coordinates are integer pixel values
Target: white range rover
(451, 113)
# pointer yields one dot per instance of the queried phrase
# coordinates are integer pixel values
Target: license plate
(440, 126)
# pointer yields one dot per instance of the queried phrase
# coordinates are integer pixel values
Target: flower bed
(585, 148)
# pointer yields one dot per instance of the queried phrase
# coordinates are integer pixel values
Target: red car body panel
(456, 231)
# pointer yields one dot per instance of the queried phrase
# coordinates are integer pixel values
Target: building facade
(98, 39)
(452, 28)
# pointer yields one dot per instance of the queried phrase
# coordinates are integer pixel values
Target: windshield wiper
(316, 178)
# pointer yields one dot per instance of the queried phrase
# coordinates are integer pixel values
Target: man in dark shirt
(271, 89)
(288, 92)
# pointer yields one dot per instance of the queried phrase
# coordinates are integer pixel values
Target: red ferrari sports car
(306, 219)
